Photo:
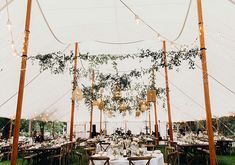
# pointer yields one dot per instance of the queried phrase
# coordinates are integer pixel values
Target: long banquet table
(156, 160)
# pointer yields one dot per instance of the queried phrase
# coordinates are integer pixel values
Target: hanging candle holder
(101, 105)
(142, 105)
(137, 113)
(77, 94)
(95, 103)
(151, 95)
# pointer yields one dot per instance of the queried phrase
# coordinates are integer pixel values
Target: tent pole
(10, 130)
(21, 85)
(150, 127)
(92, 93)
(105, 127)
(101, 117)
(100, 121)
(206, 86)
(167, 94)
(156, 124)
(155, 113)
(74, 86)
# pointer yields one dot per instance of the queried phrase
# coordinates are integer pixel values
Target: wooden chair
(173, 158)
(60, 157)
(90, 151)
(104, 146)
(100, 158)
(169, 150)
(28, 156)
(140, 158)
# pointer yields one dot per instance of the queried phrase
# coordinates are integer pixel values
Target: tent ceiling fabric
(109, 21)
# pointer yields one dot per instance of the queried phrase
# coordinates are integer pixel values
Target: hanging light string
(185, 20)
(62, 42)
(117, 43)
(48, 25)
(9, 26)
(6, 5)
(159, 35)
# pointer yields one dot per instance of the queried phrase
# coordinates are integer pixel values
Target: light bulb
(137, 19)
(172, 45)
(12, 45)
(159, 37)
(9, 24)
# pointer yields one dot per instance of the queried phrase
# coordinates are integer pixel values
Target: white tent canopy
(110, 21)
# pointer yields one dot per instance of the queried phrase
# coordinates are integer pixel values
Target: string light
(172, 45)
(137, 19)
(159, 37)
(9, 27)
(9, 24)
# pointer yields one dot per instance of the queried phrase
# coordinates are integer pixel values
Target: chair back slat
(140, 158)
(99, 158)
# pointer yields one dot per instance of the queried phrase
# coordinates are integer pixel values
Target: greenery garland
(58, 63)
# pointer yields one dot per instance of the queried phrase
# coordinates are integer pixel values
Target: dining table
(157, 159)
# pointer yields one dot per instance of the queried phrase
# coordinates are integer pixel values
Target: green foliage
(56, 62)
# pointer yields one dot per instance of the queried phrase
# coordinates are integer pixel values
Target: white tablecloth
(157, 160)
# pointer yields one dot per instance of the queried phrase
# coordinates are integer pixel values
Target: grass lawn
(226, 160)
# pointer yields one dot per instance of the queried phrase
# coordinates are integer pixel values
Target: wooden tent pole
(21, 85)
(105, 127)
(92, 93)
(100, 121)
(155, 112)
(10, 130)
(74, 86)
(167, 94)
(156, 124)
(101, 117)
(150, 127)
(206, 86)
